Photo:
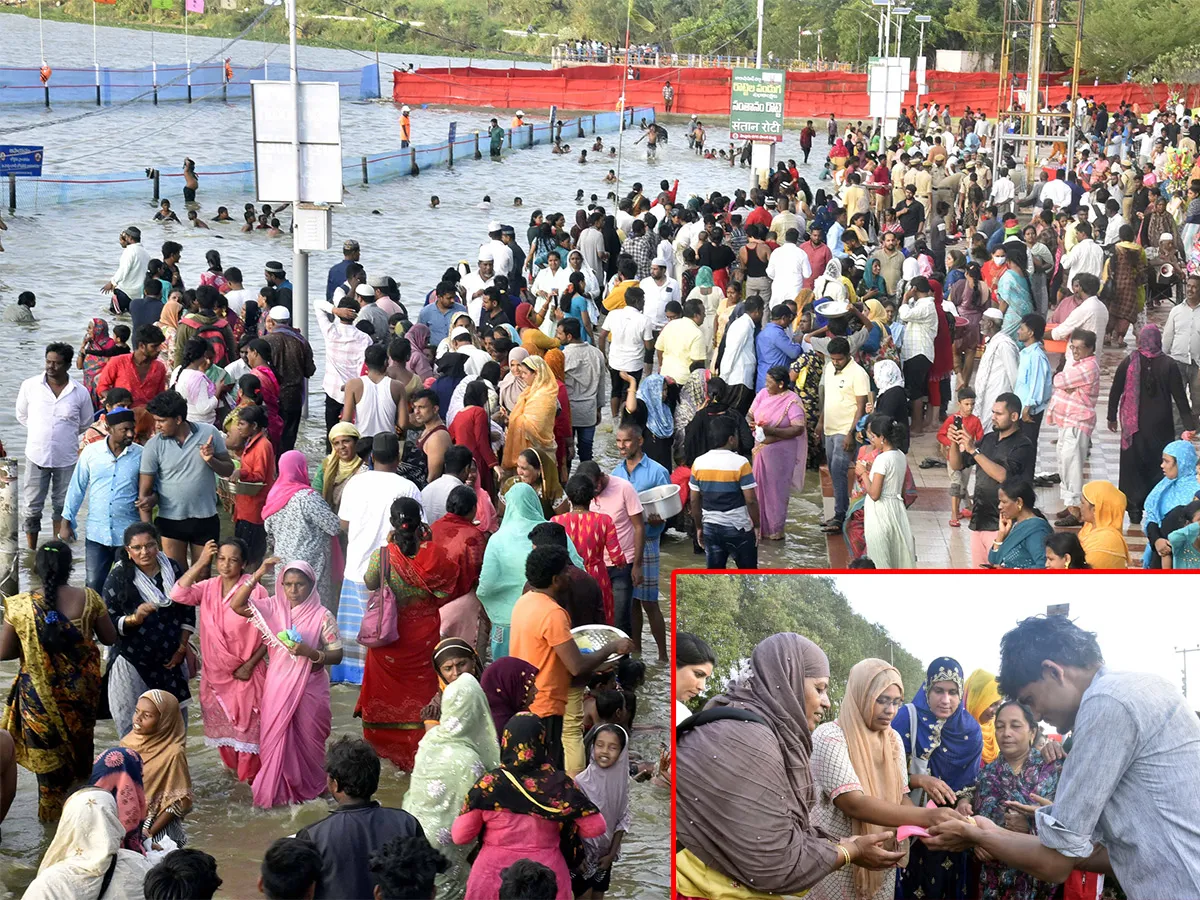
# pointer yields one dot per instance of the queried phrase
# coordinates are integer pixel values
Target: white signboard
(320, 142)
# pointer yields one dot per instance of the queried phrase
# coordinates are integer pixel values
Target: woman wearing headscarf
(873, 283)
(780, 452)
(944, 746)
(301, 523)
(890, 397)
(168, 324)
(1126, 269)
(86, 861)
(453, 755)
(535, 341)
(612, 246)
(159, 738)
(563, 435)
(232, 679)
(531, 422)
(692, 397)
(712, 297)
(605, 782)
(471, 428)
(861, 778)
(339, 466)
(502, 579)
(510, 387)
(119, 772)
(878, 345)
(534, 470)
(1144, 385)
(419, 362)
(1014, 291)
(526, 809)
(754, 837)
(1178, 487)
(1102, 537)
(50, 712)
(581, 224)
(982, 699)
(94, 353)
(832, 286)
(510, 685)
(452, 658)
(653, 411)
(302, 640)
(451, 368)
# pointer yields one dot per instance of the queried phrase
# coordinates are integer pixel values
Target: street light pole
(299, 257)
(758, 54)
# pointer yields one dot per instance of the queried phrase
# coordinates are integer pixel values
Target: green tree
(1124, 35)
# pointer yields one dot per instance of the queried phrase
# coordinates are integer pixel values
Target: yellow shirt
(841, 392)
(681, 343)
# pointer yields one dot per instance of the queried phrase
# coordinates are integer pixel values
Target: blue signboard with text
(18, 160)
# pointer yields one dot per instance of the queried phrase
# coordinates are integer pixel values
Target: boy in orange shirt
(540, 634)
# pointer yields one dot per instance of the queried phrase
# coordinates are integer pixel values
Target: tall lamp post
(922, 21)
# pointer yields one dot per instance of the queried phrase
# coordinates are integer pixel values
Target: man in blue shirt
(436, 316)
(276, 276)
(1035, 378)
(774, 346)
(107, 474)
(337, 273)
(644, 473)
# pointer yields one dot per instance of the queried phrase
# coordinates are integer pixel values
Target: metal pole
(12, 192)
(621, 102)
(299, 257)
(9, 543)
(879, 36)
(758, 53)
(1074, 87)
(1034, 85)
(799, 42)
(95, 55)
(153, 60)
(187, 52)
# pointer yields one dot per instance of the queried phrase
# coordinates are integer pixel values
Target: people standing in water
(51, 709)
(159, 738)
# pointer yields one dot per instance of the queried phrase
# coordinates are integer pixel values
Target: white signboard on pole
(320, 142)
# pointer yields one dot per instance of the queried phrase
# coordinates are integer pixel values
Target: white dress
(890, 543)
(833, 775)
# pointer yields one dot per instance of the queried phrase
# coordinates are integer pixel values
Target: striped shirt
(720, 476)
(1076, 390)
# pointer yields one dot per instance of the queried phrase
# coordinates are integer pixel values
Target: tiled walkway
(939, 545)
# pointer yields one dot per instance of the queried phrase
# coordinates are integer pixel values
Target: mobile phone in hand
(958, 422)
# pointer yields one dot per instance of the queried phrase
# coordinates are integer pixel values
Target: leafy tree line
(734, 612)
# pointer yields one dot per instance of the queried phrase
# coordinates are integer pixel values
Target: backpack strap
(716, 715)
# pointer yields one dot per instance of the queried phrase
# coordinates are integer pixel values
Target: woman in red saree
(397, 679)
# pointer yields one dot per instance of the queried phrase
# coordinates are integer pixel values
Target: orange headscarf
(531, 422)
(877, 756)
(557, 362)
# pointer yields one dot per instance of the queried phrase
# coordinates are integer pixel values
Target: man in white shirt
(738, 365)
(1181, 337)
(131, 270)
(583, 369)
(1003, 192)
(462, 342)
(475, 284)
(920, 317)
(365, 514)
(1090, 315)
(501, 253)
(345, 347)
(997, 372)
(1085, 257)
(458, 468)
(659, 290)
(54, 410)
(788, 268)
(1112, 232)
(628, 335)
(1058, 192)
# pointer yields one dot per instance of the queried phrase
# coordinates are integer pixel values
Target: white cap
(993, 313)
(661, 261)
(364, 290)
(279, 314)
(405, 109)
(460, 333)
(486, 254)
(520, 113)
(494, 226)
(1166, 236)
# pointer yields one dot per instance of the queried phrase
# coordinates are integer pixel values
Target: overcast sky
(1139, 620)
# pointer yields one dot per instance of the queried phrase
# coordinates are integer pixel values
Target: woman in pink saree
(302, 639)
(780, 451)
(233, 677)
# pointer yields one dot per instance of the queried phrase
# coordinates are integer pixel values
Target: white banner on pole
(320, 142)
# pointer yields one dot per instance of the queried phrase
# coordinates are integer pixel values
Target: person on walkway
(159, 738)
(724, 503)
(365, 515)
(448, 763)
(769, 716)
(778, 416)
(1003, 453)
(526, 809)
(232, 678)
(1056, 669)
(1102, 537)
(50, 713)
(107, 475)
(295, 719)
(997, 372)
(1021, 541)
(54, 410)
(943, 740)
(292, 358)
(1181, 336)
(1035, 379)
(1073, 409)
(890, 543)
(151, 652)
(85, 858)
(844, 391)
(397, 678)
(1144, 386)
(1127, 271)
(359, 827)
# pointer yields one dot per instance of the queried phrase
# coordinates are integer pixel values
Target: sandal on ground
(955, 523)
(1068, 522)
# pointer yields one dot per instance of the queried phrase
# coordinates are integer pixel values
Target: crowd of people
(951, 790)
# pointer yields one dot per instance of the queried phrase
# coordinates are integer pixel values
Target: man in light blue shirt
(107, 474)
(1035, 378)
(644, 473)
(773, 345)
(436, 316)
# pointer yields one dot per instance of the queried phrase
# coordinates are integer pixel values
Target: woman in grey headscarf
(750, 826)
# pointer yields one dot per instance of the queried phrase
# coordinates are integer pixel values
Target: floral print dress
(592, 534)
